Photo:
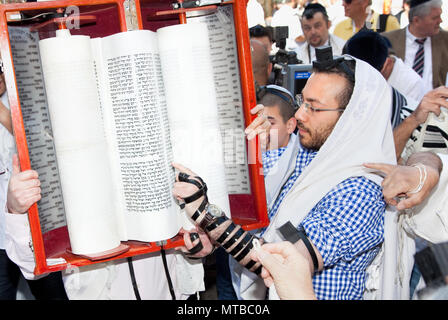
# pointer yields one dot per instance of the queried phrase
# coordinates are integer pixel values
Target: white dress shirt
(411, 50)
(406, 81)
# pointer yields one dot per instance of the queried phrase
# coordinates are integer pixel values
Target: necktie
(419, 57)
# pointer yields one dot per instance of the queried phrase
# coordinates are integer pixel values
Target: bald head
(260, 62)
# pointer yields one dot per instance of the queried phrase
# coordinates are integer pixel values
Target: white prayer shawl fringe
(362, 134)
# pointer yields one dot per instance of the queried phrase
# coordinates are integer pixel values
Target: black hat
(368, 46)
(415, 3)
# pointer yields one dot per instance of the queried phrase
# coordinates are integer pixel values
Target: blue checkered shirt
(347, 227)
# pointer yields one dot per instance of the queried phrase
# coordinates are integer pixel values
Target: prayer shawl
(362, 134)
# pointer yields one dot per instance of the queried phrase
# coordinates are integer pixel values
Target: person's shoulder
(442, 35)
(392, 23)
(346, 23)
(394, 32)
(344, 29)
(395, 35)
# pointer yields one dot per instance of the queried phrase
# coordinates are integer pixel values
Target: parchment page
(80, 144)
(192, 105)
(136, 122)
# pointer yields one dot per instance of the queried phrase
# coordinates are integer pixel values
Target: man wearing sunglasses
(361, 16)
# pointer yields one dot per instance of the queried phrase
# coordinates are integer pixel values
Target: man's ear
(388, 66)
(269, 69)
(291, 125)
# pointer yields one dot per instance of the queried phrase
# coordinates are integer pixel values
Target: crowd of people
(355, 169)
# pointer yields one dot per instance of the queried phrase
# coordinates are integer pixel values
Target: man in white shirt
(374, 48)
(422, 45)
(315, 26)
(111, 280)
(50, 287)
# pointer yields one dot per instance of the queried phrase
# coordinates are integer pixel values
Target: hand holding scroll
(183, 190)
(23, 189)
(260, 126)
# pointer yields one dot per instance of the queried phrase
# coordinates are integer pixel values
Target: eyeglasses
(310, 109)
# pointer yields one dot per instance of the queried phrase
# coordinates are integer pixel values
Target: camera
(282, 57)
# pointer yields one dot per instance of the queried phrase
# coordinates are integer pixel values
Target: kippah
(369, 46)
(415, 3)
(314, 7)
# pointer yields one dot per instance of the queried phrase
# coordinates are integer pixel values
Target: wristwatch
(212, 212)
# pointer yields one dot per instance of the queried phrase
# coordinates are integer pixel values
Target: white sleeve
(18, 244)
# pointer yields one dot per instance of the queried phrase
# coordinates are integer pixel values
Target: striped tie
(419, 57)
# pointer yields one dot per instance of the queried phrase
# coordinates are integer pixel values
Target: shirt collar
(411, 38)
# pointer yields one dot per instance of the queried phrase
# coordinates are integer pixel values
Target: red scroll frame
(248, 210)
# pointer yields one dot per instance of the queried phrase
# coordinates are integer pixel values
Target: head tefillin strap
(325, 61)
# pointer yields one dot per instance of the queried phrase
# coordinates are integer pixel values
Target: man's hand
(431, 102)
(23, 189)
(286, 268)
(203, 238)
(260, 126)
(400, 180)
(182, 190)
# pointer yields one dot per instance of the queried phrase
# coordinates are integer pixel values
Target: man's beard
(315, 138)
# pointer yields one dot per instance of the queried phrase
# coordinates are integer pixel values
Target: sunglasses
(348, 1)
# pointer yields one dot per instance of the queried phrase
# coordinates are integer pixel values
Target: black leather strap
(291, 234)
(201, 208)
(196, 248)
(184, 177)
(258, 270)
(233, 239)
(195, 196)
(250, 264)
(309, 246)
(247, 238)
(134, 282)
(244, 253)
(226, 233)
(212, 226)
(194, 236)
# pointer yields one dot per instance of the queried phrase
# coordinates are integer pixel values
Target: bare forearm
(403, 132)
(234, 239)
(5, 117)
